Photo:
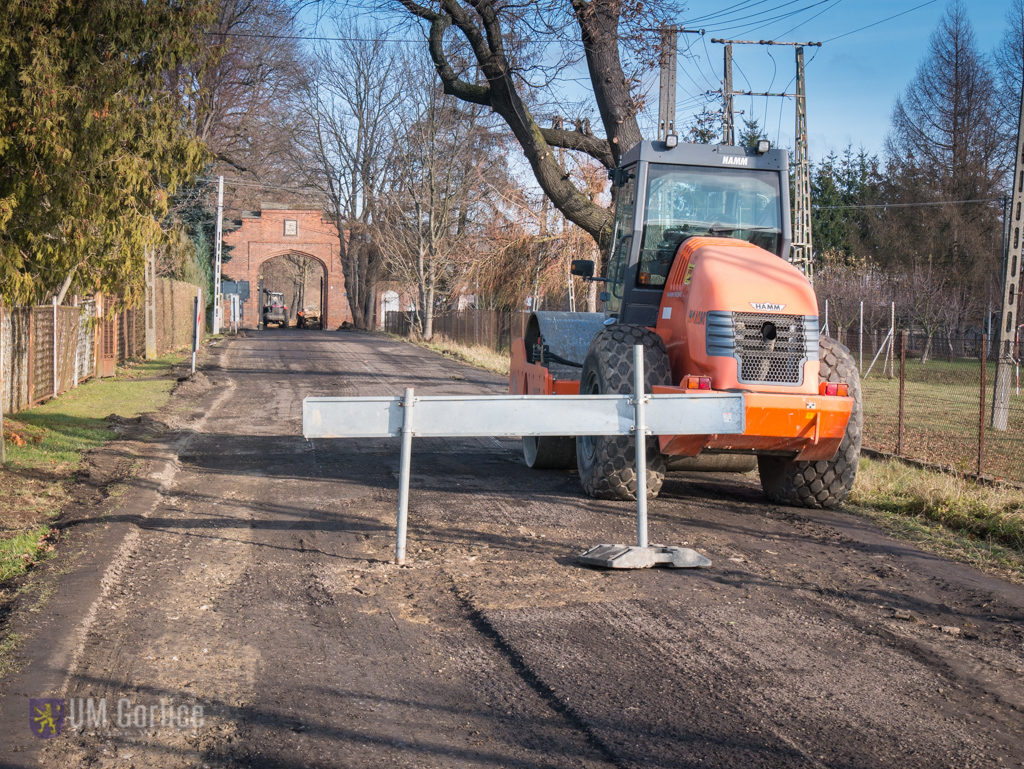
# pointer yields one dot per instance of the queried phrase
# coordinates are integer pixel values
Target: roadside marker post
(503, 416)
(195, 326)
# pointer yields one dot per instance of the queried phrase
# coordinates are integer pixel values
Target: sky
(851, 81)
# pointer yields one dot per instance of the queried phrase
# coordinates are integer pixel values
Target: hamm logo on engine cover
(767, 307)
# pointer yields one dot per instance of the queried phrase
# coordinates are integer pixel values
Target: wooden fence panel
(67, 345)
(42, 353)
(87, 340)
(15, 360)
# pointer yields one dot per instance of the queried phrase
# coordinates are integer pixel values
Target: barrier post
(3, 451)
(55, 382)
(195, 328)
(640, 432)
(403, 476)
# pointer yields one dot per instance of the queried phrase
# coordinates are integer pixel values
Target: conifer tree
(93, 139)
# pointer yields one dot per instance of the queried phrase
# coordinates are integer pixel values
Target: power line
(259, 185)
(806, 21)
(875, 24)
(312, 38)
(765, 22)
(748, 17)
(909, 205)
(739, 6)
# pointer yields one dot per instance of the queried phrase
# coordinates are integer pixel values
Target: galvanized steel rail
(463, 416)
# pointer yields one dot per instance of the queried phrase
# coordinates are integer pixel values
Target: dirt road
(256, 585)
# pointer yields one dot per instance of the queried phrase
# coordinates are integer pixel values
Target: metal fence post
(903, 382)
(640, 431)
(195, 328)
(55, 383)
(861, 368)
(981, 409)
(403, 476)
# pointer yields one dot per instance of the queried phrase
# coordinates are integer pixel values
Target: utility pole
(217, 262)
(728, 116)
(667, 94)
(1008, 317)
(802, 248)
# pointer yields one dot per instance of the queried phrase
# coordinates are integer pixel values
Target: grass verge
(45, 446)
(474, 355)
(971, 522)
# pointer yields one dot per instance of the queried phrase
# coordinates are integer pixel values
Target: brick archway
(259, 236)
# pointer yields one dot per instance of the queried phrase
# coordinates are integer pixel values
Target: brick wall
(262, 237)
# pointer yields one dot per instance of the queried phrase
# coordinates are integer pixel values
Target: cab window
(622, 238)
(683, 201)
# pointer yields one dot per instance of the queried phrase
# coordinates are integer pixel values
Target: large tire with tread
(549, 452)
(607, 463)
(825, 483)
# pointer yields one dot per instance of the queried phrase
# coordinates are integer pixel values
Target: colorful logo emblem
(46, 717)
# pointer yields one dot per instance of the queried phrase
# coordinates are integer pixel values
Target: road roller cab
(698, 273)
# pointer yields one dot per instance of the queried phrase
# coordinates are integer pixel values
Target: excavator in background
(698, 274)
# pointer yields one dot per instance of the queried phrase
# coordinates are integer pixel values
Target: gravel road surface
(257, 586)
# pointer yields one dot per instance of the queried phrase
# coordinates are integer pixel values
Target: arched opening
(389, 302)
(293, 291)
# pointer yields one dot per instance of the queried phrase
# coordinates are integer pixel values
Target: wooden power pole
(667, 93)
(728, 114)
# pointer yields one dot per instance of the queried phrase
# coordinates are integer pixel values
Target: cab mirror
(583, 268)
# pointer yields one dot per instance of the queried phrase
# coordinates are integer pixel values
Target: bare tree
(437, 195)
(245, 92)
(348, 136)
(501, 40)
(1009, 60)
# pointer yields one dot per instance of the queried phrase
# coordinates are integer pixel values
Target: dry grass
(977, 523)
(474, 355)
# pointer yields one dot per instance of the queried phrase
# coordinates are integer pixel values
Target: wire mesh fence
(928, 397)
(947, 401)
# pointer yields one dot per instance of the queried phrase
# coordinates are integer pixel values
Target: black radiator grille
(770, 348)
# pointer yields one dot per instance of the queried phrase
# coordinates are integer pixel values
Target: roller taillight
(834, 388)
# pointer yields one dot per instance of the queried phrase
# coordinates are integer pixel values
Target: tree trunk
(599, 28)
(926, 350)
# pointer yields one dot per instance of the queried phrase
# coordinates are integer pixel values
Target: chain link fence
(928, 397)
(947, 401)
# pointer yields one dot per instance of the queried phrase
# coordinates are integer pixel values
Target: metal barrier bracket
(636, 557)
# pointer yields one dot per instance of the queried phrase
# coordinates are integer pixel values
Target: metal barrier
(463, 416)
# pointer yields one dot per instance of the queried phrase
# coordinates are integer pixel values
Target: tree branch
(581, 142)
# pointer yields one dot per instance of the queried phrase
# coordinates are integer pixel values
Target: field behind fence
(949, 406)
(47, 350)
(942, 420)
